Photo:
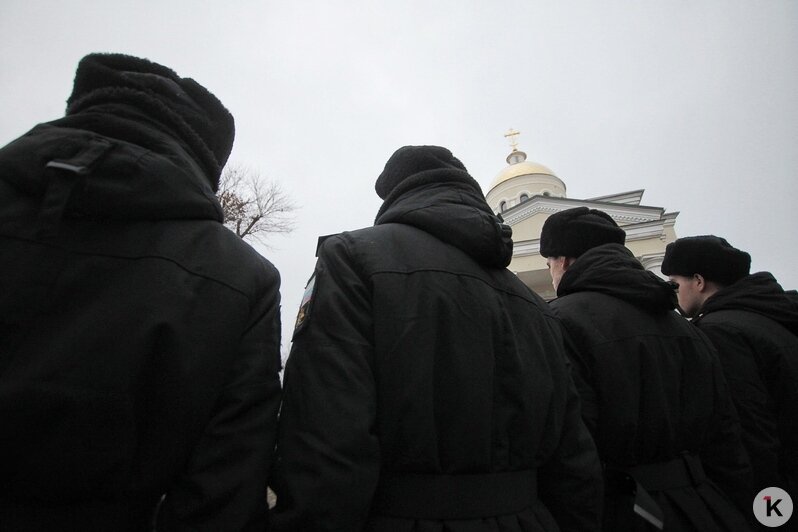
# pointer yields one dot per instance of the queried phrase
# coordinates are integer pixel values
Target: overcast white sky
(694, 101)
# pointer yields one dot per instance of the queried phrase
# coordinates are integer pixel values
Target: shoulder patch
(306, 305)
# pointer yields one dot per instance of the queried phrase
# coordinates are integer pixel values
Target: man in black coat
(652, 389)
(427, 388)
(753, 323)
(139, 338)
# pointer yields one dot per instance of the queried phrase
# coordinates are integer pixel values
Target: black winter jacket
(423, 382)
(754, 325)
(651, 388)
(139, 338)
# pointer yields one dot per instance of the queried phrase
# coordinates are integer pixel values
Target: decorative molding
(653, 263)
(645, 231)
(525, 248)
(623, 214)
(669, 218)
(633, 197)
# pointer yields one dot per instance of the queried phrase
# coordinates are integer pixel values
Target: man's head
(702, 265)
(566, 235)
(196, 115)
(410, 161)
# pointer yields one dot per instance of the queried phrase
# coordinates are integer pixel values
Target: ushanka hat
(196, 115)
(708, 255)
(571, 232)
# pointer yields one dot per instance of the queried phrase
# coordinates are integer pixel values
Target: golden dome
(520, 168)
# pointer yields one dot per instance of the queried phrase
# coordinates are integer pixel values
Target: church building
(526, 193)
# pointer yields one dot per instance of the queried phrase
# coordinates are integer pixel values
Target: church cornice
(633, 197)
(645, 231)
(623, 214)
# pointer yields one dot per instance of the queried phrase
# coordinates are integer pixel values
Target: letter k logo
(772, 506)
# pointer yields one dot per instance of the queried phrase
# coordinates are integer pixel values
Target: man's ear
(567, 261)
(700, 282)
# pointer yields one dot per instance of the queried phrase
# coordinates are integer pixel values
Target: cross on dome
(512, 136)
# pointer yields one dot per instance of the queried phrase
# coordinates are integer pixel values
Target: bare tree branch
(253, 208)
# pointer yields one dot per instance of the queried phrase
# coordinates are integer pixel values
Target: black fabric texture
(447, 203)
(195, 114)
(753, 323)
(571, 232)
(455, 214)
(759, 293)
(132, 182)
(412, 160)
(711, 256)
(651, 388)
(423, 355)
(139, 338)
(613, 270)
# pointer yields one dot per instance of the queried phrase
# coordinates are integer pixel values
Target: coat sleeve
(571, 483)
(724, 458)
(328, 451)
(582, 372)
(784, 383)
(224, 484)
(762, 377)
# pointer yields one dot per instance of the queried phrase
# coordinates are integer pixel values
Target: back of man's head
(408, 162)
(571, 232)
(196, 115)
(710, 256)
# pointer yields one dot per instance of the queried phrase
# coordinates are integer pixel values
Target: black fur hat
(195, 114)
(413, 160)
(571, 232)
(708, 255)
